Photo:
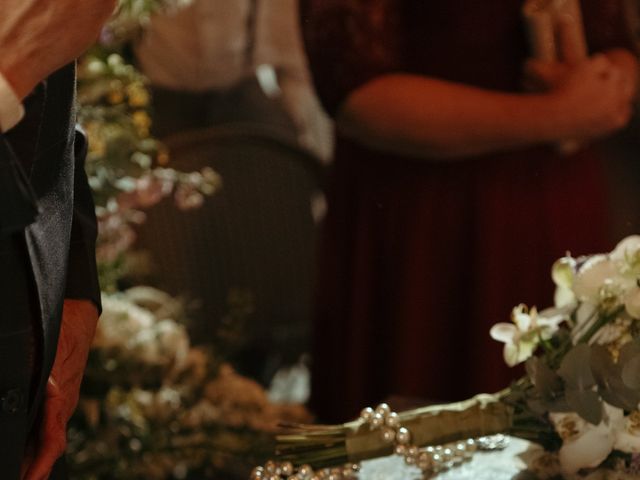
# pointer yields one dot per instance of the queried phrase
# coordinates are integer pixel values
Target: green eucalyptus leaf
(548, 388)
(631, 373)
(580, 393)
(608, 375)
(629, 351)
(575, 368)
(586, 403)
(543, 378)
(629, 361)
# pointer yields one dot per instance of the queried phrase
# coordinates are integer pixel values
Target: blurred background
(209, 159)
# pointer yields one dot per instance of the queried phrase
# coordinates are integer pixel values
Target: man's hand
(79, 320)
(37, 37)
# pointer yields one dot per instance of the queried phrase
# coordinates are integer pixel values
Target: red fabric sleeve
(350, 42)
(607, 25)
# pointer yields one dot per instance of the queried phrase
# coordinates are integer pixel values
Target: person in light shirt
(48, 284)
(213, 46)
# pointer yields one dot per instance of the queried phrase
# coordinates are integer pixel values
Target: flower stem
(601, 322)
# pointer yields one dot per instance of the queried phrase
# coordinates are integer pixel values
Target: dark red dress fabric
(419, 259)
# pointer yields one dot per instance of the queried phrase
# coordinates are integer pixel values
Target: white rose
(173, 340)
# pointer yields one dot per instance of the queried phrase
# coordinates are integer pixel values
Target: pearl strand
(430, 460)
(278, 471)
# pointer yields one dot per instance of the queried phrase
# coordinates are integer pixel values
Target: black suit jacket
(44, 195)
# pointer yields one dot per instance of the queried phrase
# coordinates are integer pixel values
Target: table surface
(498, 465)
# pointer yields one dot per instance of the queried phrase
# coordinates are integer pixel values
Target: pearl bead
(425, 461)
(377, 421)
(305, 471)
(270, 467)
(413, 451)
(287, 469)
(383, 409)
(403, 436)
(400, 450)
(393, 420)
(367, 414)
(257, 473)
(388, 435)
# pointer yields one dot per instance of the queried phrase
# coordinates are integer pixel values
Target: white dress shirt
(207, 46)
(201, 47)
(11, 108)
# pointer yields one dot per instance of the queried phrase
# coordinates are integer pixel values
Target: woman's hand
(592, 98)
(435, 119)
(597, 94)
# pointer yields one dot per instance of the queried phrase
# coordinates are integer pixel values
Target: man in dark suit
(49, 294)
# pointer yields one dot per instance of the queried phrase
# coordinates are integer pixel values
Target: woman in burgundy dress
(448, 201)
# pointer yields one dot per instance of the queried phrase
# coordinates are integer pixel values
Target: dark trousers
(18, 352)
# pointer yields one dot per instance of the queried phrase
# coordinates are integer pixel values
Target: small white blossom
(563, 275)
(522, 337)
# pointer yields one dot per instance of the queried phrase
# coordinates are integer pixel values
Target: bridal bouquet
(579, 399)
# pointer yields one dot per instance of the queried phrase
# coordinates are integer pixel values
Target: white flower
(120, 321)
(627, 250)
(522, 337)
(173, 340)
(586, 445)
(632, 302)
(598, 272)
(144, 347)
(628, 434)
(563, 275)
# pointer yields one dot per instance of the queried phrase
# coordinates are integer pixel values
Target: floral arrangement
(155, 407)
(128, 169)
(580, 398)
(152, 405)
